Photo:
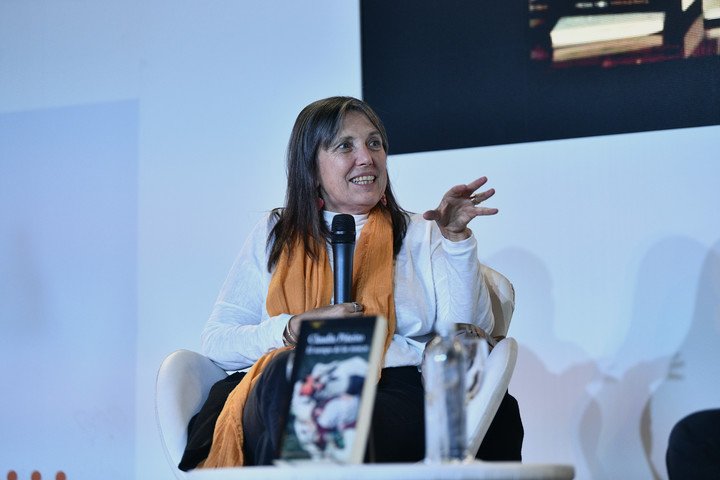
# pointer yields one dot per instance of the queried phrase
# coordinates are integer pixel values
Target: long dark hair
(315, 127)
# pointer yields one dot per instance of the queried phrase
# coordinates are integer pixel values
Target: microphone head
(343, 229)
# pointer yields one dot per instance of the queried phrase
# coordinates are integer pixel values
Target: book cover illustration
(608, 33)
(335, 372)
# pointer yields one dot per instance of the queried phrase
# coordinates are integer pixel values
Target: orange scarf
(300, 284)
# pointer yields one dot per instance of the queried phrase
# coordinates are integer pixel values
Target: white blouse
(437, 283)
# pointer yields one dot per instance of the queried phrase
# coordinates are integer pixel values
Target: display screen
(460, 73)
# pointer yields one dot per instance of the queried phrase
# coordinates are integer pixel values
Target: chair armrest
(182, 385)
(502, 300)
(482, 408)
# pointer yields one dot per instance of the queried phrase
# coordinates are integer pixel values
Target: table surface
(469, 471)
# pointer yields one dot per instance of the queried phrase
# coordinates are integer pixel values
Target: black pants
(397, 429)
(694, 447)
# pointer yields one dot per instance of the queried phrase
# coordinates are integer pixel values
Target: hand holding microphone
(339, 310)
(342, 240)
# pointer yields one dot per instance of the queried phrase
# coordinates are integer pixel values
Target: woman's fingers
(340, 310)
(477, 198)
(459, 206)
(432, 215)
(355, 307)
(475, 184)
(347, 309)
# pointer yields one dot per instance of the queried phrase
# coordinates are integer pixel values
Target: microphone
(342, 239)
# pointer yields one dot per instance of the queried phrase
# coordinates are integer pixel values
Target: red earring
(320, 203)
(383, 200)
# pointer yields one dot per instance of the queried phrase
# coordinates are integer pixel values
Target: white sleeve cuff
(461, 247)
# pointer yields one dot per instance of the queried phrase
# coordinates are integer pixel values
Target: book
(582, 30)
(606, 48)
(711, 11)
(584, 7)
(334, 376)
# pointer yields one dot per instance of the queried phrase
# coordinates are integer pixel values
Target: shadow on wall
(667, 278)
(615, 414)
(551, 378)
(690, 382)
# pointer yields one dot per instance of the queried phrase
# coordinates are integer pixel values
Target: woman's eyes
(374, 144)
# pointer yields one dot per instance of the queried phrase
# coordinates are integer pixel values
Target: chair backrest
(502, 300)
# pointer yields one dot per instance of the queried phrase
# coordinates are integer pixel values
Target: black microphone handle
(342, 271)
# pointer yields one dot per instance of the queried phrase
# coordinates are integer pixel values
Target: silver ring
(356, 307)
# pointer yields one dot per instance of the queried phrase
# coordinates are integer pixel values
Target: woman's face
(353, 172)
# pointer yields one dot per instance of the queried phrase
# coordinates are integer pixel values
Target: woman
(419, 271)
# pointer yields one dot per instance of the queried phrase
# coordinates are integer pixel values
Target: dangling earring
(383, 200)
(320, 203)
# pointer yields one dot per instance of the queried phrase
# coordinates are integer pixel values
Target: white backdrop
(138, 141)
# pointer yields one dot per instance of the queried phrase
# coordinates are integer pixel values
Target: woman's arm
(460, 290)
(461, 293)
(239, 330)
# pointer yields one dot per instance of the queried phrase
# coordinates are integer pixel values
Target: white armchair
(182, 385)
(185, 378)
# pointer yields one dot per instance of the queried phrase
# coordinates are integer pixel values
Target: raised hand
(458, 206)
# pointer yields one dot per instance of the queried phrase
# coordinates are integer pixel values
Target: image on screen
(610, 33)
